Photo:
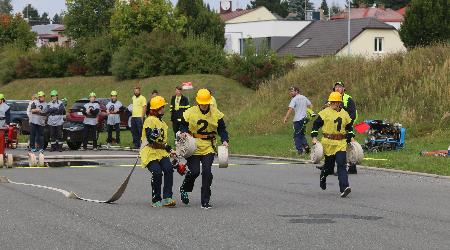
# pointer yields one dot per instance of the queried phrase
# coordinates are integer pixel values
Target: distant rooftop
(384, 15)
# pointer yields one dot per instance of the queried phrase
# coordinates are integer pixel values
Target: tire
(74, 145)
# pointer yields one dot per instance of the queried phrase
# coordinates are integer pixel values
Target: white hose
(316, 153)
(355, 153)
(185, 147)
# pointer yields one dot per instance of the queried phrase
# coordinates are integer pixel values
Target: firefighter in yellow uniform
(204, 122)
(337, 131)
(155, 153)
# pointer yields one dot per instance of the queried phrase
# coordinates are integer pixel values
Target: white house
(274, 32)
(368, 37)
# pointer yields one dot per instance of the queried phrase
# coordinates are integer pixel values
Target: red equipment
(10, 136)
(180, 167)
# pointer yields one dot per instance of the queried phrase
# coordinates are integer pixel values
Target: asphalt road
(257, 205)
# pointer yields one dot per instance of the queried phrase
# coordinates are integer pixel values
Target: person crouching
(155, 153)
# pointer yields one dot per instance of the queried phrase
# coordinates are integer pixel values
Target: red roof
(384, 15)
(60, 28)
(402, 11)
(231, 15)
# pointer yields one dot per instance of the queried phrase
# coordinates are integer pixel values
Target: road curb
(86, 157)
(362, 167)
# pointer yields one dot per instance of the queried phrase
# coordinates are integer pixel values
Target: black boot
(60, 147)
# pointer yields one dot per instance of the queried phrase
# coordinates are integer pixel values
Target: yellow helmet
(157, 102)
(335, 97)
(40, 93)
(113, 93)
(2, 96)
(92, 94)
(203, 97)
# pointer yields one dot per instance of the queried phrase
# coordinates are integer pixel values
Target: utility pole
(305, 8)
(348, 37)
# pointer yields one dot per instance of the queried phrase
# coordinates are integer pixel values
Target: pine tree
(57, 19)
(298, 7)
(324, 7)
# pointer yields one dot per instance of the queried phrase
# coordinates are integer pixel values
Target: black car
(18, 111)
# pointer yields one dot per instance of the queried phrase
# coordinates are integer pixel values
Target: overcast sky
(56, 6)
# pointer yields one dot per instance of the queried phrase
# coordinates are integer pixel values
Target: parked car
(18, 111)
(75, 113)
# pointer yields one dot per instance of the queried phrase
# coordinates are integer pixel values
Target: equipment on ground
(355, 153)
(442, 153)
(316, 153)
(222, 153)
(383, 136)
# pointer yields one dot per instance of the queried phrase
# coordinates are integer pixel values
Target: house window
(303, 43)
(379, 44)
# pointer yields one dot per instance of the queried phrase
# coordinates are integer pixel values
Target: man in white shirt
(299, 105)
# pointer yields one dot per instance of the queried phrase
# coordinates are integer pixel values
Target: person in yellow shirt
(137, 116)
(155, 153)
(337, 131)
(203, 122)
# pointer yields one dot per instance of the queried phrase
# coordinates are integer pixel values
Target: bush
(257, 65)
(9, 55)
(95, 53)
(161, 53)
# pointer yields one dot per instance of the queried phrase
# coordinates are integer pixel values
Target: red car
(75, 114)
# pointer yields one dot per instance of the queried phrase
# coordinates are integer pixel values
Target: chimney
(322, 16)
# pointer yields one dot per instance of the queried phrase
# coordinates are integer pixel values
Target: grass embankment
(413, 89)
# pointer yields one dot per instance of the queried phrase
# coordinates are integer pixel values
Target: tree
(31, 14)
(15, 30)
(201, 20)
(393, 4)
(5, 7)
(276, 6)
(426, 22)
(86, 18)
(133, 17)
(57, 19)
(44, 18)
(298, 7)
(335, 8)
(324, 7)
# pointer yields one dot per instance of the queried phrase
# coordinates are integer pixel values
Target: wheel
(10, 161)
(2, 161)
(74, 145)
